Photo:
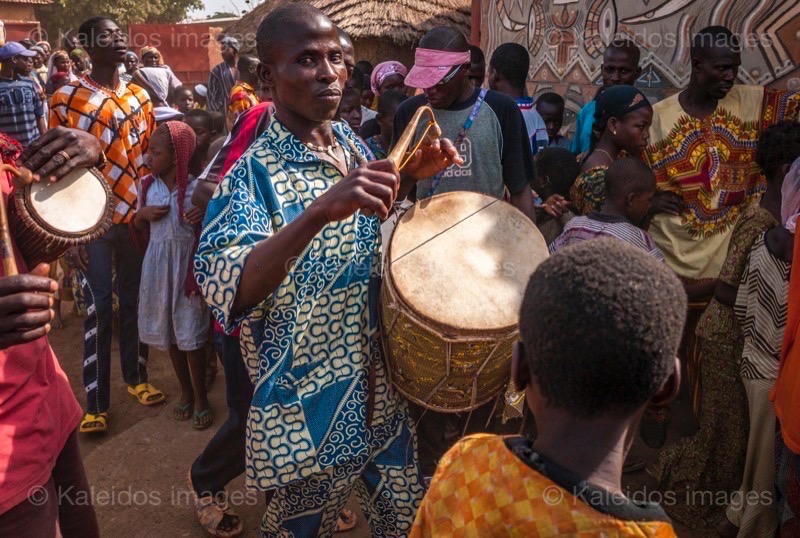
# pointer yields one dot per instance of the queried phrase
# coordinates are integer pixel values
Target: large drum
(456, 270)
(56, 216)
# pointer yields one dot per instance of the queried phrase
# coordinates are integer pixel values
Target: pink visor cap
(431, 66)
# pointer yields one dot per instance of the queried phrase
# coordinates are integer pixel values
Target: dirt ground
(138, 469)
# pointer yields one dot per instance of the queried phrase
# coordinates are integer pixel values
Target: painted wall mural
(566, 40)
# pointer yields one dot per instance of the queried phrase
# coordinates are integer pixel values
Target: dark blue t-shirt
(496, 152)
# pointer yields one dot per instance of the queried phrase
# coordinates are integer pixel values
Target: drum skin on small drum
(53, 217)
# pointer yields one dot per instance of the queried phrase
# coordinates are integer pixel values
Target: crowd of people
(247, 230)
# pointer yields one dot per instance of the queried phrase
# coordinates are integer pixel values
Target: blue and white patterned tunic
(310, 344)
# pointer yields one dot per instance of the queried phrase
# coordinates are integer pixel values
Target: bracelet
(102, 160)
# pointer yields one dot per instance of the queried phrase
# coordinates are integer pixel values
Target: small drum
(54, 217)
(456, 270)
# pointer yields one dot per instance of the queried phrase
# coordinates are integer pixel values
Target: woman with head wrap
(80, 62)
(622, 119)
(39, 71)
(386, 76)
(39, 64)
(130, 66)
(151, 57)
(714, 458)
(59, 62)
(155, 77)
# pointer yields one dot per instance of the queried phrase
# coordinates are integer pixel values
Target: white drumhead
(463, 259)
(74, 204)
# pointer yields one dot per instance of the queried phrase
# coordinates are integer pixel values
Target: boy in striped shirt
(630, 187)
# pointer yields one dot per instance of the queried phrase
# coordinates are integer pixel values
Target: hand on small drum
(26, 306)
(430, 159)
(153, 213)
(78, 257)
(58, 152)
(556, 205)
(371, 187)
(193, 215)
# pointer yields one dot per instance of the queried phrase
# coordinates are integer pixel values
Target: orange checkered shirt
(482, 489)
(122, 121)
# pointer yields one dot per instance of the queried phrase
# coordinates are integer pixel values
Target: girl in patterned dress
(621, 121)
(172, 315)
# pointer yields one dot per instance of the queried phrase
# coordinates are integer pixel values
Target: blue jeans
(115, 247)
(223, 459)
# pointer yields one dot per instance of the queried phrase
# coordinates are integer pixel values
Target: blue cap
(12, 48)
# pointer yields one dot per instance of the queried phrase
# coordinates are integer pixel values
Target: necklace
(607, 153)
(93, 82)
(328, 150)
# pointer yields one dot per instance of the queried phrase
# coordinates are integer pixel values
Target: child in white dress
(172, 314)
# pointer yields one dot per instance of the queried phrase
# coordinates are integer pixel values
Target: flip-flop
(94, 423)
(198, 415)
(182, 411)
(146, 394)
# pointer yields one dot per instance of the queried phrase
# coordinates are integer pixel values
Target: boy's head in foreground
(600, 325)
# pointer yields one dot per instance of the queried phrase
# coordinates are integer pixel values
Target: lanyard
(462, 134)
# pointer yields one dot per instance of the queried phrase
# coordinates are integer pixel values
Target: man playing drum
(291, 248)
(121, 118)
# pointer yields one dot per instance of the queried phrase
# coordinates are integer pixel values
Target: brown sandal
(211, 510)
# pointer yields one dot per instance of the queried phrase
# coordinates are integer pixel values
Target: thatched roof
(403, 22)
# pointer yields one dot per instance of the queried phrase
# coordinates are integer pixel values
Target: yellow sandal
(146, 394)
(94, 423)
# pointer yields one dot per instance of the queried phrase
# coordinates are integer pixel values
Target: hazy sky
(212, 6)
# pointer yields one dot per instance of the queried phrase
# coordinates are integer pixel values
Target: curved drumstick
(6, 246)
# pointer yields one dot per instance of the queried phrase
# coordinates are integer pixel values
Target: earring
(615, 133)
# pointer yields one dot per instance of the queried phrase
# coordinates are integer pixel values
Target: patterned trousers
(114, 250)
(388, 483)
